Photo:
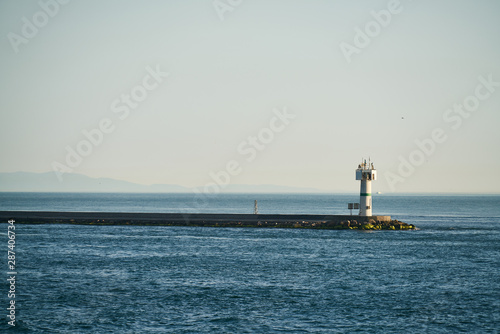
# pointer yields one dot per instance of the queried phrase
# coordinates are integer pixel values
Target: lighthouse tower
(366, 173)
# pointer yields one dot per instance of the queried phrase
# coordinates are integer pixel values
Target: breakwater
(210, 220)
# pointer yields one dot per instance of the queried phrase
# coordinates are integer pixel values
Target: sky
(284, 92)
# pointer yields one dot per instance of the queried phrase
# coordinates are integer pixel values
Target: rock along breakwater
(334, 222)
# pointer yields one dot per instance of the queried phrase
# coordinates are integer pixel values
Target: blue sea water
(442, 278)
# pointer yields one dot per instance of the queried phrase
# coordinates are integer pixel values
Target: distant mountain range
(72, 182)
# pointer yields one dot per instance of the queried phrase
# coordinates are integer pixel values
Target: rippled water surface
(443, 278)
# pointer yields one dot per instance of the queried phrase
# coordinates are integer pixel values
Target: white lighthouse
(366, 173)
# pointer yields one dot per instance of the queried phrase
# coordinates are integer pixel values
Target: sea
(443, 277)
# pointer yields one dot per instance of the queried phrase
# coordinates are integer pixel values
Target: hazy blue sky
(229, 69)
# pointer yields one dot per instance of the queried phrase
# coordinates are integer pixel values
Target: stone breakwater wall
(336, 222)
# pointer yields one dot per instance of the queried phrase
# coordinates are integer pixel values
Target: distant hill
(48, 182)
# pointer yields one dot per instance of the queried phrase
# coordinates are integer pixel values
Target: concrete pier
(206, 219)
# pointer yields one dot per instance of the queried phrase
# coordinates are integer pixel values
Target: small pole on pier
(256, 208)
